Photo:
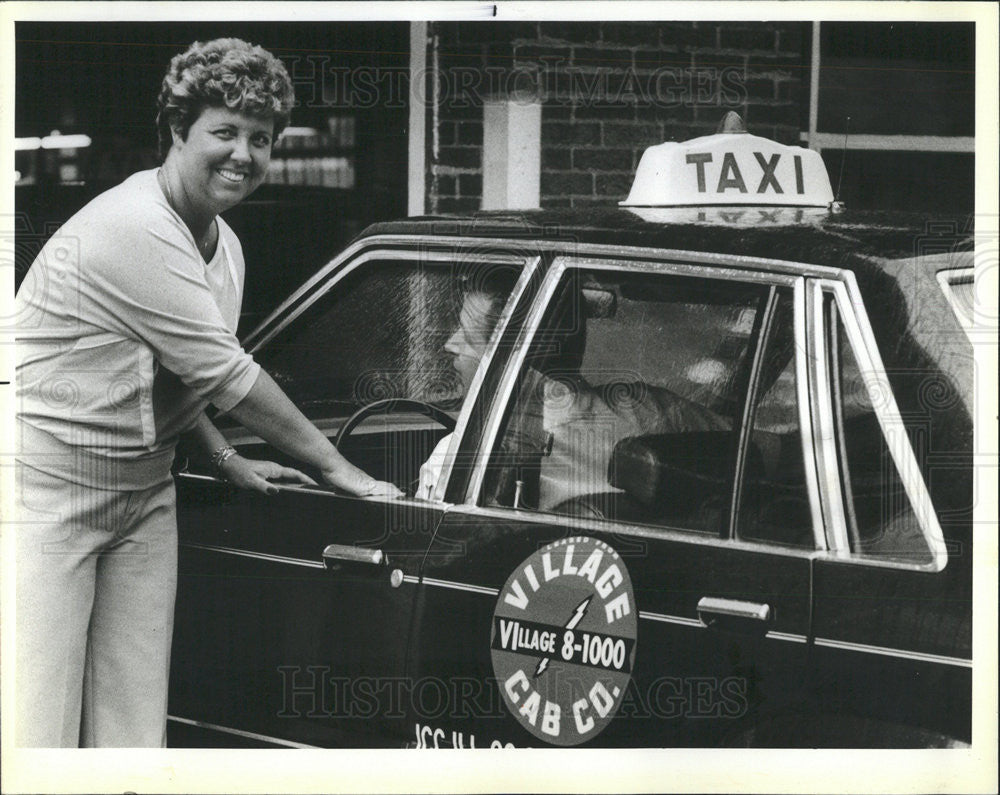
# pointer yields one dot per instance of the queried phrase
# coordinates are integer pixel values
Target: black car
(703, 478)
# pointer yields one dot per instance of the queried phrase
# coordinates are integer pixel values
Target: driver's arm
(268, 412)
(430, 470)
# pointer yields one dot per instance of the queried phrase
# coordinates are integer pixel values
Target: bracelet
(220, 456)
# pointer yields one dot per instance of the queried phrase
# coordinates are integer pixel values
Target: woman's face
(468, 344)
(224, 158)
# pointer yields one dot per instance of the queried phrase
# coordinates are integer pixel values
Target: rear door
(893, 599)
(628, 559)
(294, 610)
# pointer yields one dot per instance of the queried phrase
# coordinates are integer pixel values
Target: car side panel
(270, 640)
(893, 646)
(691, 685)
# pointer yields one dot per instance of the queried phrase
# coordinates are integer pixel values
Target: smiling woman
(128, 320)
(221, 107)
(222, 161)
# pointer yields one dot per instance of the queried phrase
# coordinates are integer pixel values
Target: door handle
(336, 554)
(340, 556)
(714, 611)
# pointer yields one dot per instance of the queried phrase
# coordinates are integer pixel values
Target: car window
(629, 403)
(881, 521)
(774, 500)
(386, 330)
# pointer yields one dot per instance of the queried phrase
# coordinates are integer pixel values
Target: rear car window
(881, 521)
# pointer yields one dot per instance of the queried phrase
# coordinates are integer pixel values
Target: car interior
(669, 448)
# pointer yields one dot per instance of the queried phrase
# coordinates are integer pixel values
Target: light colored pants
(96, 578)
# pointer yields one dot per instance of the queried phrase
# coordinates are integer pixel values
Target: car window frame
(947, 279)
(409, 250)
(718, 267)
(846, 296)
(802, 405)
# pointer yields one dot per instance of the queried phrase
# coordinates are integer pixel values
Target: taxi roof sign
(731, 167)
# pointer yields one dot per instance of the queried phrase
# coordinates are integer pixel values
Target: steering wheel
(585, 506)
(393, 405)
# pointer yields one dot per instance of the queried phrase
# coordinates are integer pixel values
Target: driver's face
(468, 343)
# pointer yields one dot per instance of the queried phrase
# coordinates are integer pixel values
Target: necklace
(205, 244)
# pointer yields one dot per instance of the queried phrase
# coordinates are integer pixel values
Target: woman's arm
(207, 434)
(269, 413)
(245, 472)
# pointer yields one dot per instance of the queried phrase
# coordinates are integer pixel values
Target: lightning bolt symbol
(579, 613)
(576, 618)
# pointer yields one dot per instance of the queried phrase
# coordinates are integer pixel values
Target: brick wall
(608, 90)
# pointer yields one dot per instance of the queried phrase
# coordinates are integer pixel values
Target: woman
(126, 333)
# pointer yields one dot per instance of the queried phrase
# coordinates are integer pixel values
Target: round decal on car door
(563, 640)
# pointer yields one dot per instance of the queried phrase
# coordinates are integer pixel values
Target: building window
(893, 113)
(309, 156)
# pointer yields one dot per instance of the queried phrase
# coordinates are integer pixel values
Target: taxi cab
(695, 470)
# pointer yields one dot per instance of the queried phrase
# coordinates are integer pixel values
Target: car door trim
(828, 471)
(695, 623)
(459, 586)
(886, 651)
(803, 381)
(508, 378)
(319, 490)
(791, 637)
(665, 618)
(201, 724)
(311, 564)
(647, 615)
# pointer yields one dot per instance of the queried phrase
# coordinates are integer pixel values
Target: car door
(893, 595)
(627, 562)
(294, 610)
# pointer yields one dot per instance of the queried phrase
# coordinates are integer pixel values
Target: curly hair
(222, 72)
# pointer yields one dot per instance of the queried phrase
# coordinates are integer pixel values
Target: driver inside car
(482, 304)
(569, 425)
(570, 415)
(477, 318)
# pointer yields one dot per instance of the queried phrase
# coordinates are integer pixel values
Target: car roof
(841, 239)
